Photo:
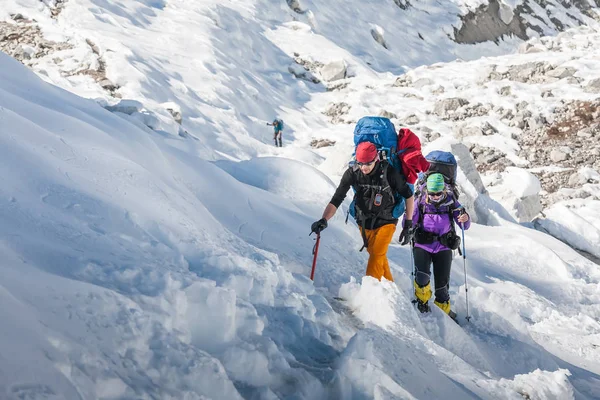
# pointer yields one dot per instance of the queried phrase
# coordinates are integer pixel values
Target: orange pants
(379, 240)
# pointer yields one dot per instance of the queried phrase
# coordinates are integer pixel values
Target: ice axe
(315, 252)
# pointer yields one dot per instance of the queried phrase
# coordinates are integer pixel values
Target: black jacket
(367, 187)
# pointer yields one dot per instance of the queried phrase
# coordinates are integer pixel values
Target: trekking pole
(464, 254)
(413, 274)
(315, 253)
(412, 260)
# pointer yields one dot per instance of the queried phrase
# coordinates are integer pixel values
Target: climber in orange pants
(375, 183)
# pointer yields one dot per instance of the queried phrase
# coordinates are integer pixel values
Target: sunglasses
(435, 194)
(366, 164)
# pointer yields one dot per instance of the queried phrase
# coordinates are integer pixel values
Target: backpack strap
(449, 212)
(386, 166)
(360, 205)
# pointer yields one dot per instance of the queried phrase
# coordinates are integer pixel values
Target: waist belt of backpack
(428, 237)
(423, 237)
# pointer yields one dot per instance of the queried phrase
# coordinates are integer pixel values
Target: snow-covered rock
(446, 106)
(519, 191)
(377, 33)
(333, 71)
(126, 107)
(575, 222)
(557, 155)
(301, 72)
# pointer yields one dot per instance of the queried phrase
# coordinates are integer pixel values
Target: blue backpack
(280, 124)
(381, 132)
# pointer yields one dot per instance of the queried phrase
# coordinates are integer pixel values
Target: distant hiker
(435, 212)
(376, 184)
(277, 125)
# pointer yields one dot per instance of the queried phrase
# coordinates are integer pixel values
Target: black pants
(277, 135)
(442, 262)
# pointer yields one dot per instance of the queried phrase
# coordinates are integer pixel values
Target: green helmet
(435, 183)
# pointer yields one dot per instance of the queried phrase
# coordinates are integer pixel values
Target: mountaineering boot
(453, 315)
(280, 145)
(422, 307)
(423, 294)
(445, 306)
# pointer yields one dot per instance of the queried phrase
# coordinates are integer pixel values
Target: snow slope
(130, 268)
(225, 65)
(138, 263)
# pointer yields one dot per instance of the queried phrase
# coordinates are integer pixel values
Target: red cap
(366, 152)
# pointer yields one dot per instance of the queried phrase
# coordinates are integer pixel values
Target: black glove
(407, 233)
(319, 225)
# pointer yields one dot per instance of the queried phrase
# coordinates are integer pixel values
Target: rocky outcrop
(495, 20)
(532, 72)
(570, 142)
(490, 22)
(24, 40)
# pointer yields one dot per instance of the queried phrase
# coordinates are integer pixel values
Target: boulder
(126, 107)
(333, 71)
(176, 114)
(445, 106)
(561, 72)
(387, 114)
(593, 86)
(377, 33)
(318, 143)
(301, 72)
(412, 119)
(557, 155)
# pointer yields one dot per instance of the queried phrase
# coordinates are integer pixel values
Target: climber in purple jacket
(436, 211)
